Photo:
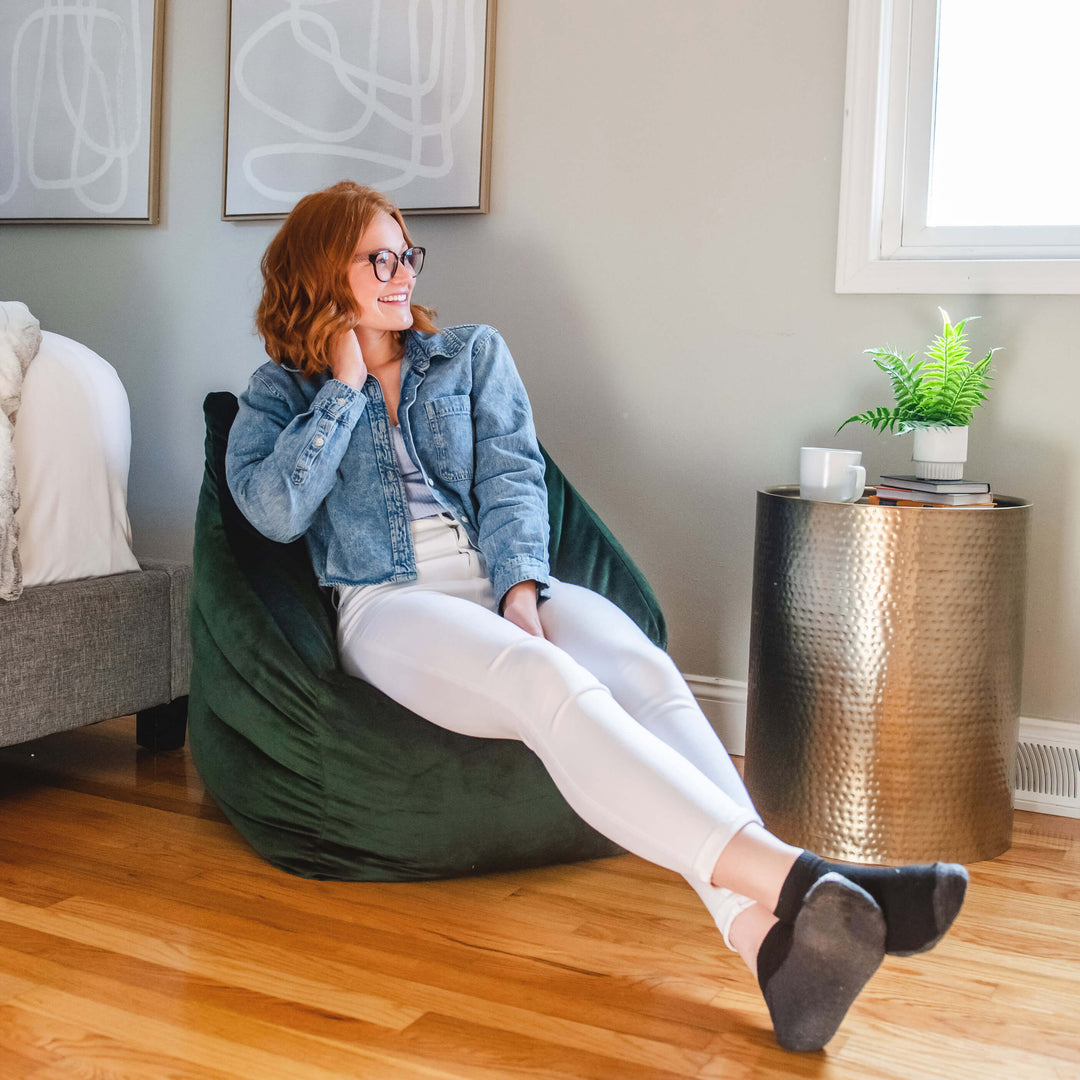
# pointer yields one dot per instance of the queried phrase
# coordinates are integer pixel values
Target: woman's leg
(644, 680)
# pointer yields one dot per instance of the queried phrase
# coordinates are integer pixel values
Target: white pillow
(72, 451)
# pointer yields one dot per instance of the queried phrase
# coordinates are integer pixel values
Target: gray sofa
(78, 652)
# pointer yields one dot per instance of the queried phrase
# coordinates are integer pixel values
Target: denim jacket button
(318, 440)
(339, 401)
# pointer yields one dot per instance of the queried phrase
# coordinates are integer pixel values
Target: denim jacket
(313, 458)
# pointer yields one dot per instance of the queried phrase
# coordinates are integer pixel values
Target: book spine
(938, 500)
(884, 500)
(961, 487)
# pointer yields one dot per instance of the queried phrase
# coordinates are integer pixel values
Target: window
(961, 168)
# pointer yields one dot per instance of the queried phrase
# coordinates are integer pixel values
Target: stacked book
(911, 491)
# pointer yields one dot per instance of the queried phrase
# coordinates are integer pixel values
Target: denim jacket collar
(420, 348)
(443, 343)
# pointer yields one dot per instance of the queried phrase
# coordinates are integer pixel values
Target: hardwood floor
(141, 939)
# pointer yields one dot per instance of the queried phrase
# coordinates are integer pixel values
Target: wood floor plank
(19, 1056)
(60, 1049)
(506, 1053)
(11, 986)
(959, 1053)
(153, 989)
(254, 1022)
(195, 1044)
(134, 828)
(103, 759)
(317, 982)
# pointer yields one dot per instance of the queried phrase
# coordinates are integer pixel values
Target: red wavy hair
(306, 300)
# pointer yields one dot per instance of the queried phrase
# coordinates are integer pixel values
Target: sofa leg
(164, 727)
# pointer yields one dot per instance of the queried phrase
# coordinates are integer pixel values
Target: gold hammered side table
(886, 649)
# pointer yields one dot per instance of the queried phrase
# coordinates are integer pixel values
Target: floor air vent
(1048, 768)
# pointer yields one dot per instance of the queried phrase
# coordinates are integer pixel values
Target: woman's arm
(280, 464)
(508, 479)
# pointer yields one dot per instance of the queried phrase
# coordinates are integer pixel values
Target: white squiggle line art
(369, 88)
(114, 150)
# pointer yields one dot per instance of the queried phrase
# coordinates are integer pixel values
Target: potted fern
(935, 398)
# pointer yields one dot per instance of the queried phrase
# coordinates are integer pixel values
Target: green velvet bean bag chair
(324, 775)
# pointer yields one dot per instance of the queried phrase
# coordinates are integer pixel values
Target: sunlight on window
(1006, 148)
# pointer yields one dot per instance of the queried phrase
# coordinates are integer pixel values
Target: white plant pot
(940, 453)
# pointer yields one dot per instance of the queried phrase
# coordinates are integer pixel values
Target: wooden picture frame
(80, 111)
(393, 95)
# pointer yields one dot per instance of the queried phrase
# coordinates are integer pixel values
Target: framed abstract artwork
(80, 110)
(395, 94)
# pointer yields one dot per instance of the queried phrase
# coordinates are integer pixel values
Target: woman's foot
(812, 969)
(919, 903)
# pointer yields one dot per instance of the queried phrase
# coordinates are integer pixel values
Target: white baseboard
(1048, 759)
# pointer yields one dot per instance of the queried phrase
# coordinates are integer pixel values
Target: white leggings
(604, 709)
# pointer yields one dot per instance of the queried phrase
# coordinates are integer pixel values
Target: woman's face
(384, 305)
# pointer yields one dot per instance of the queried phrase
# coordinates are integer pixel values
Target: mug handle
(860, 482)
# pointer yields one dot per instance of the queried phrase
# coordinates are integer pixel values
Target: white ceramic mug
(828, 475)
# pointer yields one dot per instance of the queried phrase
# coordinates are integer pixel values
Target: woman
(406, 457)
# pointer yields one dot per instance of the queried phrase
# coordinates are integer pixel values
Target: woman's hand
(347, 361)
(519, 606)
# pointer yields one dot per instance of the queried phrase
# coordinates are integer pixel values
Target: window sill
(977, 276)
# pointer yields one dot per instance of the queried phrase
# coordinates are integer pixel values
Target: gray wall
(623, 128)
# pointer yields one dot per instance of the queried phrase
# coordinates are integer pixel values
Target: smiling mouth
(397, 298)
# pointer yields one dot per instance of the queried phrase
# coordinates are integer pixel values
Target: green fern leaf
(880, 419)
(947, 369)
(903, 374)
(968, 392)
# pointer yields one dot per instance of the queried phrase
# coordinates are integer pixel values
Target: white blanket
(20, 338)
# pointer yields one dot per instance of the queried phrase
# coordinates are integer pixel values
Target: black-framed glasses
(386, 261)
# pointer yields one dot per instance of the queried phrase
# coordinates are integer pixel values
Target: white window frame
(888, 120)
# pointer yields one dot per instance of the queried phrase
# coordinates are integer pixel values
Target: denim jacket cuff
(337, 401)
(520, 569)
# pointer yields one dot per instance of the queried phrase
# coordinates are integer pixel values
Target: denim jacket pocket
(450, 420)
